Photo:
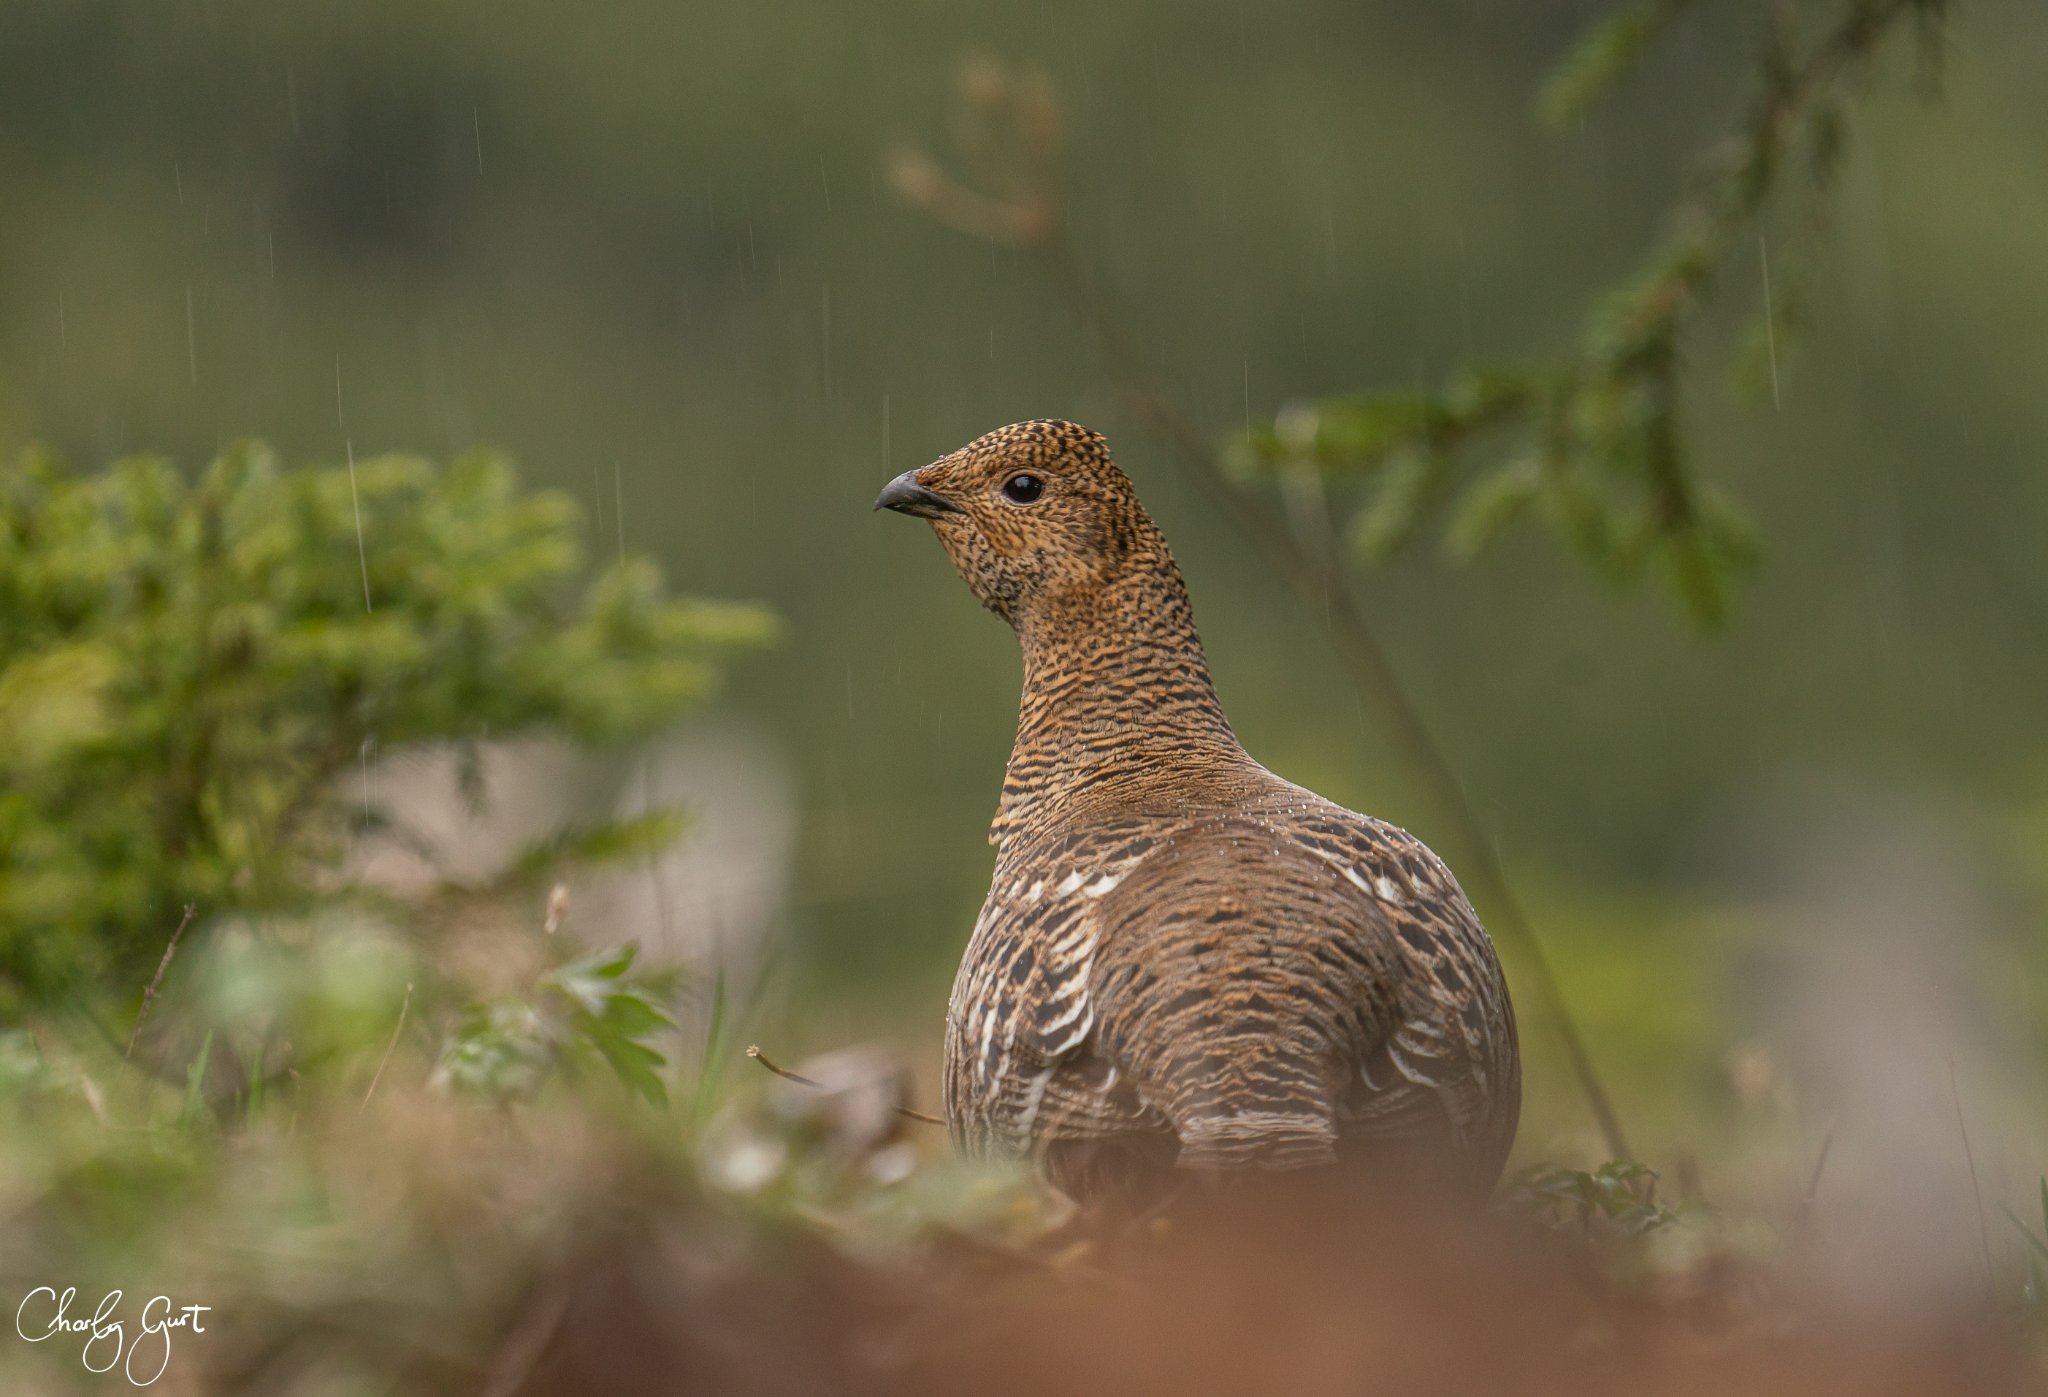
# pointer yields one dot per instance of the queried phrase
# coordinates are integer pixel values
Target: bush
(190, 669)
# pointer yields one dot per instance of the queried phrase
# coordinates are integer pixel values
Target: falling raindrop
(1770, 320)
(356, 502)
(368, 743)
(619, 507)
(825, 335)
(1464, 294)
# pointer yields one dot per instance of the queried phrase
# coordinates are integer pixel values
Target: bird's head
(1036, 517)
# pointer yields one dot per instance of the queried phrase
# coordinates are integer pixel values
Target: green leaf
(612, 1015)
(611, 841)
(500, 1050)
(1490, 506)
(195, 1083)
(1698, 580)
(1406, 485)
(592, 980)
(713, 1065)
(636, 1065)
(1608, 51)
(631, 1016)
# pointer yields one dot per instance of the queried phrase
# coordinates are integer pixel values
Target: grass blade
(2034, 1243)
(713, 1065)
(255, 1099)
(195, 1078)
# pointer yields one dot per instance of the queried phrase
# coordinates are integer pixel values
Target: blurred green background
(650, 250)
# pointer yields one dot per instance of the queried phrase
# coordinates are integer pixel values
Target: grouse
(1185, 962)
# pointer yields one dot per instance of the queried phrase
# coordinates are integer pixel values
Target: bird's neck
(1117, 698)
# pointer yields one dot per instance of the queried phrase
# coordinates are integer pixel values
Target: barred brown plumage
(1185, 960)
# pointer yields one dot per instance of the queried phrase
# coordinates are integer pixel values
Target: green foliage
(289, 994)
(195, 1083)
(189, 667)
(1619, 1197)
(1594, 440)
(591, 1007)
(610, 841)
(1609, 50)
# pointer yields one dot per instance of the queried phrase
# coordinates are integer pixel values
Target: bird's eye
(1024, 487)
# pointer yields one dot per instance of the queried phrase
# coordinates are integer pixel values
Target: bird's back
(1229, 973)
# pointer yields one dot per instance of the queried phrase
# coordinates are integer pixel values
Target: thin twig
(149, 994)
(1976, 1193)
(1805, 1207)
(754, 1052)
(396, 1029)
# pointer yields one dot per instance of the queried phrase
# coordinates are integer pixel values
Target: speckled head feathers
(1036, 516)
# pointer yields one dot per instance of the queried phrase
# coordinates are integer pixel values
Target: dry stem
(149, 994)
(754, 1052)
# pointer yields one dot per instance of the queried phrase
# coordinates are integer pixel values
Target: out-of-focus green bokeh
(649, 249)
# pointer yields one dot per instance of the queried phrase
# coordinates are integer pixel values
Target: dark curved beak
(906, 496)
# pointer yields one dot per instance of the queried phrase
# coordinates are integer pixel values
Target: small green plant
(594, 1007)
(191, 668)
(1618, 1198)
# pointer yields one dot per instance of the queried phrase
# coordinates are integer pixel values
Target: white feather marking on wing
(1071, 938)
(1080, 1007)
(1073, 984)
(1081, 1029)
(988, 1034)
(1394, 1056)
(1034, 1097)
